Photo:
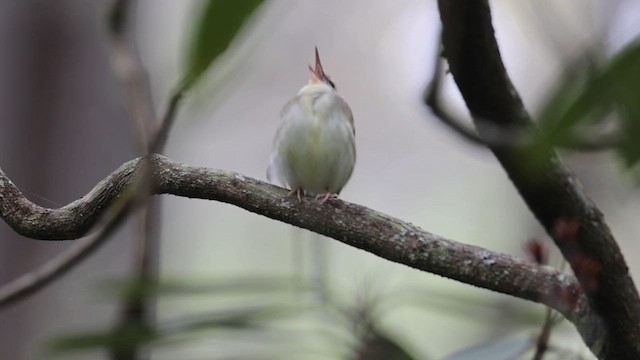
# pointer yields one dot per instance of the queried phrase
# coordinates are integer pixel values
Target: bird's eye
(328, 81)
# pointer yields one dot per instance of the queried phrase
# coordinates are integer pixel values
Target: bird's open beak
(317, 74)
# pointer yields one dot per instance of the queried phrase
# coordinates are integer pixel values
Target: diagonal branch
(550, 190)
(351, 224)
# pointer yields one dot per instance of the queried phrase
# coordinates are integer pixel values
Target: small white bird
(314, 149)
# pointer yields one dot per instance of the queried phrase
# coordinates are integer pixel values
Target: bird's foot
(326, 196)
(299, 193)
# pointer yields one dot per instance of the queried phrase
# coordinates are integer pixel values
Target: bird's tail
(315, 271)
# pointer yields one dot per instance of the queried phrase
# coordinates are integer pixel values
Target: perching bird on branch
(314, 149)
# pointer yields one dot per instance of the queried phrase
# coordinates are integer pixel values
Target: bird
(314, 149)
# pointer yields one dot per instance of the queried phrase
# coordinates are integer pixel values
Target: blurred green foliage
(598, 106)
(281, 317)
(219, 23)
(264, 301)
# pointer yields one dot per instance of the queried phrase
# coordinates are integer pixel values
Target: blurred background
(63, 128)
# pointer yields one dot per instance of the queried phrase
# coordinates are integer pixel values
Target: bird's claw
(326, 196)
(298, 191)
(322, 198)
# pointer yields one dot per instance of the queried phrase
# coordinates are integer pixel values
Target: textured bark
(550, 190)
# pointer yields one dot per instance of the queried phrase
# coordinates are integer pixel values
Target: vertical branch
(138, 312)
(129, 70)
(542, 342)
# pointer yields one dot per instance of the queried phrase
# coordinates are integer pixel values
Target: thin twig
(128, 66)
(542, 342)
(162, 133)
(129, 70)
(432, 99)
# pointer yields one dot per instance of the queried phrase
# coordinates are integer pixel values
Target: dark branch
(432, 99)
(351, 224)
(550, 190)
(166, 123)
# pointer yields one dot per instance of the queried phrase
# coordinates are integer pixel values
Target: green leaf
(623, 78)
(582, 102)
(580, 99)
(219, 23)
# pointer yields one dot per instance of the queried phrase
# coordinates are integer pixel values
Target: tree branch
(69, 222)
(550, 190)
(132, 75)
(351, 224)
(137, 312)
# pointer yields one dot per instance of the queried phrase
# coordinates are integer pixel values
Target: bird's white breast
(315, 145)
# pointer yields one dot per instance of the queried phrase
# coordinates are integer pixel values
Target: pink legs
(322, 197)
(298, 191)
(326, 196)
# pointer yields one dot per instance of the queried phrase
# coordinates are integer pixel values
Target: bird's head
(318, 75)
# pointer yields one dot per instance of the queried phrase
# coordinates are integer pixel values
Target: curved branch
(351, 224)
(550, 190)
(69, 222)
